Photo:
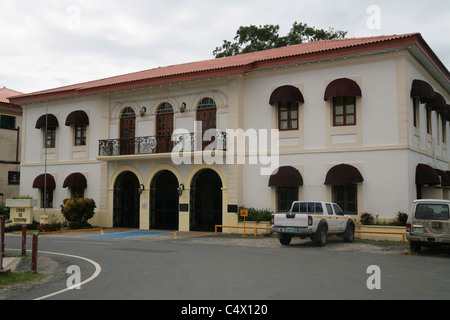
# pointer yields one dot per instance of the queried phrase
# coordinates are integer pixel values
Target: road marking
(98, 269)
(130, 234)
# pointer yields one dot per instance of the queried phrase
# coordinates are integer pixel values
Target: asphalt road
(199, 268)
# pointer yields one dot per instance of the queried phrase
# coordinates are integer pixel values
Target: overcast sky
(51, 43)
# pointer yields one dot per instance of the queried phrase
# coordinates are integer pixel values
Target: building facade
(10, 122)
(363, 122)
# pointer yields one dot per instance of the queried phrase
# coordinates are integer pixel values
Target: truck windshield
(432, 211)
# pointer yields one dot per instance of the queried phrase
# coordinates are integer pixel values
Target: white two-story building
(363, 122)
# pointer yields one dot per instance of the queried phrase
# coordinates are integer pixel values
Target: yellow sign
(244, 212)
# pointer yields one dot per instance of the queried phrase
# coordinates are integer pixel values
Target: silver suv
(428, 224)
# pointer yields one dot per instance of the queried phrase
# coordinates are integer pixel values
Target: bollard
(34, 253)
(24, 239)
(3, 220)
(2, 255)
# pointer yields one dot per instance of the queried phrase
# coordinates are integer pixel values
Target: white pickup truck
(315, 219)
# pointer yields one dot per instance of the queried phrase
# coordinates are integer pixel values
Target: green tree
(253, 38)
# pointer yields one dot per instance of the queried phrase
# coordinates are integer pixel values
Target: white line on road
(98, 269)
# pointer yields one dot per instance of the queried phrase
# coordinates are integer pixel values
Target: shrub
(48, 227)
(18, 227)
(367, 219)
(401, 219)
(4, 210)
(256, 214)
(78, 211)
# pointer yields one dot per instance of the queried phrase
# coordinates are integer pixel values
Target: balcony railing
(154, 145)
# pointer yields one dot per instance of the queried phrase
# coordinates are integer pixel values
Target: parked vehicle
(316, 220)
(428, 224)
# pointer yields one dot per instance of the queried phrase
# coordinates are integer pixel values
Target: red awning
(342, 88)
(286, 176)
(286, 94)
(44, 181)
(422, 90)
(343, 174)
(77, 118)
(425, 174)
(75, 180)
(52, 122)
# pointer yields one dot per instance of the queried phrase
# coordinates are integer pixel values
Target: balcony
(159, 145)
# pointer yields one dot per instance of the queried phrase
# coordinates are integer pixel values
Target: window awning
(51, 121)
(286, 94)
(438, 103)
(342, 88)
(286, 176)
(75, 180)
(426, 175)
(44, 180)
(422, 90)
(445, 177)
(77, 118)
(343, 174)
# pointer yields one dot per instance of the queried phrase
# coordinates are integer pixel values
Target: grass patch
(14, 278)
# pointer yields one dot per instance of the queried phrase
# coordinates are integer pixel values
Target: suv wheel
(415, 246)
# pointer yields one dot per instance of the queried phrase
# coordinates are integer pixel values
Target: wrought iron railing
(151, 145)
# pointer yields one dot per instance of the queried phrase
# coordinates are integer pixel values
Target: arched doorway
(206, 201)
(164, 201)
(126, 201)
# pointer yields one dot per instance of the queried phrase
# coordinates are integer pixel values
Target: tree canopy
(253, 38)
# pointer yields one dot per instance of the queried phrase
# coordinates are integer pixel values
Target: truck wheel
(321, 236)
(285, 240)
(349, 234)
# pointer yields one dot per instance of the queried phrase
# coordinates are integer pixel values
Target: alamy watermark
(374, 280)
(242, 147)
(73, 17)
(374, 20)
(74, 280)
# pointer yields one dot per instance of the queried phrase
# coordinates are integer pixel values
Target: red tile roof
(4, 101)
(234, 65)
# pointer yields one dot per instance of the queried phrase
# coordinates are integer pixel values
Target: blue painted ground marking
(126, 235)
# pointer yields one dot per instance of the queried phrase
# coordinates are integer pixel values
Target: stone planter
(21, 209)
(380, 233)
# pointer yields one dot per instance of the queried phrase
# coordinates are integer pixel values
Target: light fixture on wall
(183, 107)
(143, 111)
(141, 188)
(180, 189)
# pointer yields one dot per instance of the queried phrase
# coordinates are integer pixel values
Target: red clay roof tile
(226, 65)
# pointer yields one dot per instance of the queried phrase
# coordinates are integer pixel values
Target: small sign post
(244, 214)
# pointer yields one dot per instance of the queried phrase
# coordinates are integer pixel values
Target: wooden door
(208, 119)
(127, 131)
(164, 132)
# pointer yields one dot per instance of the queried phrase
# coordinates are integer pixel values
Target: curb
(69, 231)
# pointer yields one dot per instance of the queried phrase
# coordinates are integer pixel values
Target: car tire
(321, 237)
(349, 234)
(415, 246)
(285, 240)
